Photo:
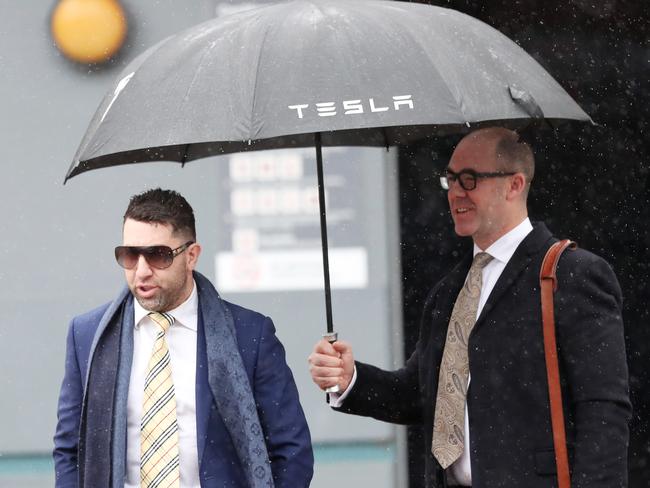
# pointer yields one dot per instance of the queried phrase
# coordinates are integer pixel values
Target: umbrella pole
(323, 232)
(331, 336)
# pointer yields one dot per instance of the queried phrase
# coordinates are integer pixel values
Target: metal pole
(331, 336)
(323, 232)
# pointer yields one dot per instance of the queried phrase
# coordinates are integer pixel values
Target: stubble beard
(165, 300)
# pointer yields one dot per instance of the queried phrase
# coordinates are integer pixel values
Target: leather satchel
(548, 286)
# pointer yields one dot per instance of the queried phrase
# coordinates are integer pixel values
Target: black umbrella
(320, 72)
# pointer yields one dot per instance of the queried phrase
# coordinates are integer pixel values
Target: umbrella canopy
(363, 72)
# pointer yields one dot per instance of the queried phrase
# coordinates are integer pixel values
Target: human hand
(331, 364)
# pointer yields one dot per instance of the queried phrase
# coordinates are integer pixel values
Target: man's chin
(152, 304)
(463, 230)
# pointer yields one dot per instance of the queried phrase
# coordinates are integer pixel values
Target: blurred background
(390, 232)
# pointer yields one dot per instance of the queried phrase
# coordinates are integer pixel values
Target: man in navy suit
(232, 406)
(501, 435)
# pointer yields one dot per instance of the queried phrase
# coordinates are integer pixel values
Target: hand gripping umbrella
(319, 72)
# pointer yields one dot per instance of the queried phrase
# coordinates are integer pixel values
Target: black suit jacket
(511, 440)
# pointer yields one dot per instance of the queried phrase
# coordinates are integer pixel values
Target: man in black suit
(486, 411)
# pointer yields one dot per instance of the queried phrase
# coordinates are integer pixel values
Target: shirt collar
(185, 314)
(505, 246)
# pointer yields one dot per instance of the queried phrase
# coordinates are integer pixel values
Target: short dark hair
(163, 207)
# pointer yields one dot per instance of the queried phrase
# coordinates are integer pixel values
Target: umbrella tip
(73, 171)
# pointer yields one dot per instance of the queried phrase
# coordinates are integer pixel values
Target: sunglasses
(468, 178)
(159, 257)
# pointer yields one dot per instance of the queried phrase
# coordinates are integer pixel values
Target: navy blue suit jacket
(283, 421)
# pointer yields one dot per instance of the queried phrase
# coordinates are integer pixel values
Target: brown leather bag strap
(548, 284)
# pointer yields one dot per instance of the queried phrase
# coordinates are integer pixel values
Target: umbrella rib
(190, 86)
(258, 63)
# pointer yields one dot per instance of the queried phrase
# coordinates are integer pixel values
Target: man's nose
(142, 267)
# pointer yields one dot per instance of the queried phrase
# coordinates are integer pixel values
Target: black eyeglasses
(159, 257)
(468, 178)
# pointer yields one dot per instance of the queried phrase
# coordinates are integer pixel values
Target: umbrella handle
(331, 337)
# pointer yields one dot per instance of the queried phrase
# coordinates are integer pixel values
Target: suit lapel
(445, 297)
(519, 261)
(453, 282)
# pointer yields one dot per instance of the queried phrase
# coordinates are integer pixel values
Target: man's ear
(193, 253)
(517, 186)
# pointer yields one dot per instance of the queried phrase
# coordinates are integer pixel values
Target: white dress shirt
(501, 250)
(181, 341)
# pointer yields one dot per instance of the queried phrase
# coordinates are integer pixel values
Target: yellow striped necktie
(159, 463)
